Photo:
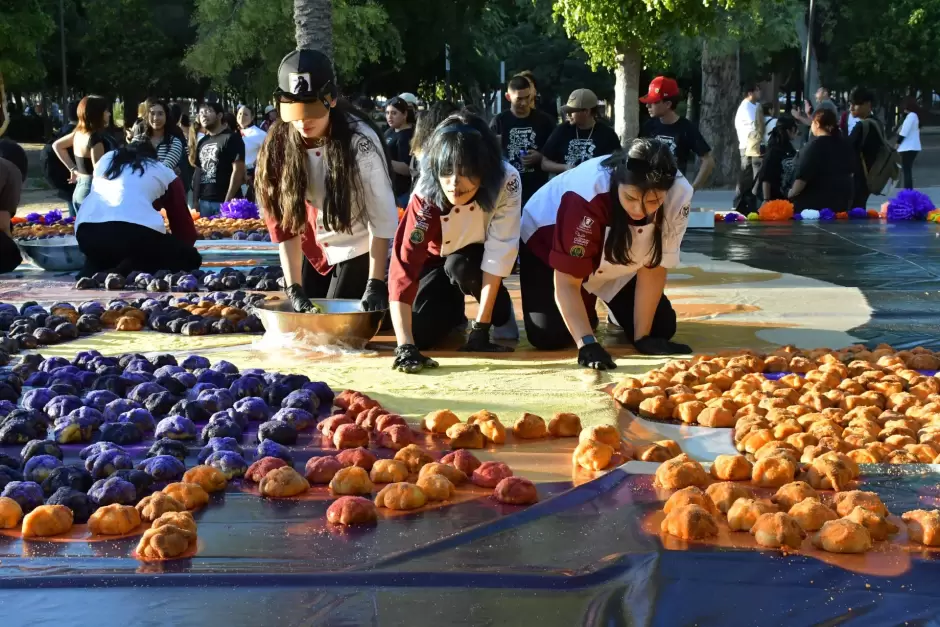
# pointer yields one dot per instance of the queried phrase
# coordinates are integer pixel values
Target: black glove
(660, 346)
(299, 301)
(594, 356)
(409, 359)
(375, 298)
(478, 340)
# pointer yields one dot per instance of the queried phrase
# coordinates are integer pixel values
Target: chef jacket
(566, 224)
(373, 214)
(427, 235)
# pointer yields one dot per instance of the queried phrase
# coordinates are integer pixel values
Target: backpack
(884, 172)
(54, 171)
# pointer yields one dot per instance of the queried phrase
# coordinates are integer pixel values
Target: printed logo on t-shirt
(520, 138)
(685, 211)
(576, 251)
(669, 141)
(209, 161)
(579, 151)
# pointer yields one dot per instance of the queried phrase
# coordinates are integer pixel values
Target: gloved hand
(660, 346)
(409, 359)
(299, 301)
(375, 298)
(478, 340)
(594, 356)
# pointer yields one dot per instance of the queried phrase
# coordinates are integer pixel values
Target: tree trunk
(313, 25)
(721, 95)
(627, 94)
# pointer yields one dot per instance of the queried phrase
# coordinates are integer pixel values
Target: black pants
(907, 168)
(346, 280)
(440, 303)
(10, 257)
(860, 191)
(124, 246)
(744, 199)
(544, 325)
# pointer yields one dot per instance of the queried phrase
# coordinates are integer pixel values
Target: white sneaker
(510, 330)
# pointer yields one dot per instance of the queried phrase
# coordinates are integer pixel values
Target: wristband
(588, 339)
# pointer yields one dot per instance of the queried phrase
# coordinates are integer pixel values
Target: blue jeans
(209, 208)
(82, 189)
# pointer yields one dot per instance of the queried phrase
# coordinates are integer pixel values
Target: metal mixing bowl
(55, 253)
(342, 321)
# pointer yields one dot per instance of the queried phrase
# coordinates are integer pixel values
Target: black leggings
(347, 279)
(124, 246)
(544, 325)
(10, 257)
(907, 168)
(440, 303)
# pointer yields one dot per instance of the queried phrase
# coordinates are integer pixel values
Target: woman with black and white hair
(609, 229)
(459, 237)
(323, 185)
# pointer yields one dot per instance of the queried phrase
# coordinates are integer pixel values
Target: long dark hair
(462, 143)
(780, 135)
(137, 154)
(403, 107)
(428, 121)
(281, 174)
(170, 129)
(647, 164)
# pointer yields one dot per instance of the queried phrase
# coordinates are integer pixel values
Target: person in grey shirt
(823, 101)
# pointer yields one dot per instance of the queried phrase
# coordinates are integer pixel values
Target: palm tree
(313, 25)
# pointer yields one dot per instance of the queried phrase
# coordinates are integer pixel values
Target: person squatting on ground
(459, 238)
(13, 168)
(324, 188)
(609, 229)
(119, 226)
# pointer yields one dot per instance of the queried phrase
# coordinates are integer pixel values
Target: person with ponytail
(324, 188)
(609, 229)
(120, 228)
(459, 238)
(777, 170)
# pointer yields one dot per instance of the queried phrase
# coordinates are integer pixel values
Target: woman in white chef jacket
(459, 237)
(609, 229)
(323, 185)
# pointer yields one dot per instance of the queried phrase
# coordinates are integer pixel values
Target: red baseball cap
(660, 89)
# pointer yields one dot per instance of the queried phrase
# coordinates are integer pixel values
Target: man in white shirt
(746, 127)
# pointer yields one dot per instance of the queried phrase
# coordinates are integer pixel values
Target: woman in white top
(459, 238)
(120, 228)
(909, 140)
(253, 137)
(323, 185)
(610, 229)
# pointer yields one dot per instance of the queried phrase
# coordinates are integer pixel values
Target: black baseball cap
(306, 84)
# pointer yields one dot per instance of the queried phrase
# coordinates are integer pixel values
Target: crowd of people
(443, 205)
(846, 157)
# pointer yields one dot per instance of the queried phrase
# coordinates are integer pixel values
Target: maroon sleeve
(421, 226)
(177, 213)
(578, 240)
(278, 234)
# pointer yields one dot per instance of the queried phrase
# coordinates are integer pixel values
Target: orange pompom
(874, 213)
(776, 211)
(842, 215)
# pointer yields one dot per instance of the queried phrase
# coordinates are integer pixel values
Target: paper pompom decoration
(873, 214)
(842, 215)
(858, 213)
(909, 204)
(239, 209)
(934, 216)
(809, 214)
(776, 210)
(753, 216)
(827, 214)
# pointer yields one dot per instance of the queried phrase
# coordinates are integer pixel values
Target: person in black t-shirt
(523, 132)
(824, 172)
(674, 130)
(778, 169)
(865, 141)
(581, 138)
(220, 162)
(401, 119)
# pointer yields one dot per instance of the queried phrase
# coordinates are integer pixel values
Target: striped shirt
(170, 152)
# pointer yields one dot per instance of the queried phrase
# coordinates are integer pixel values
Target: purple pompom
(53, 216)
(909, 204)
(33, 218)
(859, 213)
(239, 209)
(827, 214)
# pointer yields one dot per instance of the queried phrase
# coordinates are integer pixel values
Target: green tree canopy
(24, 28)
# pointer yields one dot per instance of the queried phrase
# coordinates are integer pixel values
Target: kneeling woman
(119, 227)
(460, 237)
(323, 185)
(608, 229)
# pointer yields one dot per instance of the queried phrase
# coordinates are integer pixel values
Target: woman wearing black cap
(609, 229)
(459, 238)
(324, 187)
